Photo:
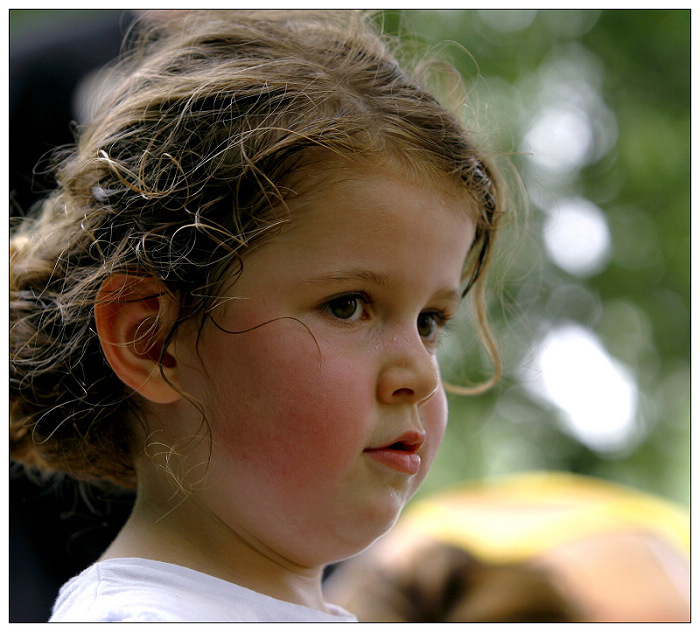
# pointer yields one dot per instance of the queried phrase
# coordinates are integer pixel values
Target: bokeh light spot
(577, 237)
(597, 395)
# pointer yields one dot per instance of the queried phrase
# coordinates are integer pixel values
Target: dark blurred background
(591, 297)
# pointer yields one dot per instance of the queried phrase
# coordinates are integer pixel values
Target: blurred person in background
(525, 548)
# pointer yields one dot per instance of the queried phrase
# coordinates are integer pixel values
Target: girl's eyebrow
(376, 278)
(354, 274)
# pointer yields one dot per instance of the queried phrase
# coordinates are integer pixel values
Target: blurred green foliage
(621, 80)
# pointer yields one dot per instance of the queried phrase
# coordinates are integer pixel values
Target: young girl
(232, 302)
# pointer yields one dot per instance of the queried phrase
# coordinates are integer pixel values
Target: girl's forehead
(365, 210)
(347, 181)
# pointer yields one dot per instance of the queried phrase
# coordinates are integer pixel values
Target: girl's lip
(401, 454)
(399, 460)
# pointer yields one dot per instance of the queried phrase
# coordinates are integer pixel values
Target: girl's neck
(215, 550)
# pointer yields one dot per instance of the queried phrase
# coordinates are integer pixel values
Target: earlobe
(132, 316)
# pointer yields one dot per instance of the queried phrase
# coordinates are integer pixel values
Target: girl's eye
(348, 307)
(429, 324)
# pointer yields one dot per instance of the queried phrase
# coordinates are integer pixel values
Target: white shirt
(135, 589)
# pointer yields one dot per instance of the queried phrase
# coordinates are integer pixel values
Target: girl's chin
(370, 536)
(340, 550)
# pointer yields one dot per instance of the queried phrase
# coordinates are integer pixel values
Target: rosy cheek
(289, 409)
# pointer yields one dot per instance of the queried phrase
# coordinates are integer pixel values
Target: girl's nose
(410, 373)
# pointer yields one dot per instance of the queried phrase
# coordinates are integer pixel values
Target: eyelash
(440, 317)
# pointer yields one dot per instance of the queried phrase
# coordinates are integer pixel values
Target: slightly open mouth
(403, 447)
(401, 456)
(399, 446)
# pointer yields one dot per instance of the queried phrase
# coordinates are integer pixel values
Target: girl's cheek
(434, 417)
(296, 402)
(435, 420)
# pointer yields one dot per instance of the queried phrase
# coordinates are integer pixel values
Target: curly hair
(183, 168)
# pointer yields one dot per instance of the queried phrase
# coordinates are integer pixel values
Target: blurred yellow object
(515, 518)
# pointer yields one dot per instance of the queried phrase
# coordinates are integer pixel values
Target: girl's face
(327, 411)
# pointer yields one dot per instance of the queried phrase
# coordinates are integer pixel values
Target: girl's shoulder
(136, 589)
(130, 589)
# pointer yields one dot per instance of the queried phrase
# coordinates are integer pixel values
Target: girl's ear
(133, 315)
